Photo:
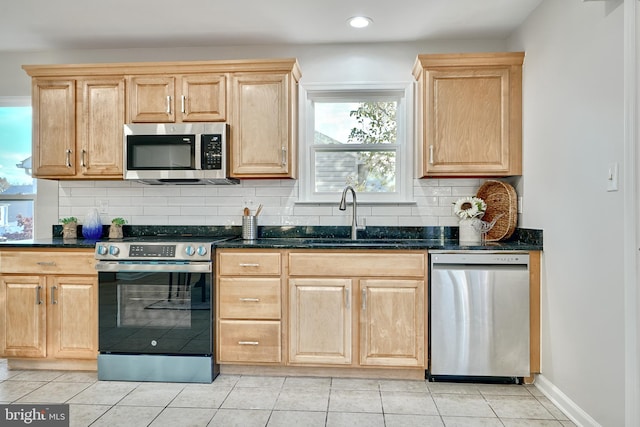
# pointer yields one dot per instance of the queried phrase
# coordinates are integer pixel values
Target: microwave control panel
(211, 158)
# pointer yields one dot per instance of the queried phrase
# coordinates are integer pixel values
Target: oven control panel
(194, 251)
(152, 251)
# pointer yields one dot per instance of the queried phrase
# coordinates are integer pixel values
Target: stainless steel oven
(155, 311)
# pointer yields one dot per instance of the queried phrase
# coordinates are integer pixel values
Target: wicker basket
(501, 200)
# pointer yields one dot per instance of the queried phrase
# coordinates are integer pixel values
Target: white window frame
(20, 101)
(402, 92)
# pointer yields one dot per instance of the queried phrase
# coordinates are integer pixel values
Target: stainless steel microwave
(177, 153)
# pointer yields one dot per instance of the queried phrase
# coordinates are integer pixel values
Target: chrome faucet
(343, 206)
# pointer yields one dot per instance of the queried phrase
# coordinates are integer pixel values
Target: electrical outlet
(362, 223)
(103, 206)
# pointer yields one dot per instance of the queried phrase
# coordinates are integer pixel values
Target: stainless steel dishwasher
(479, 308)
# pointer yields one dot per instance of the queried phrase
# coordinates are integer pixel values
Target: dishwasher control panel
(493, 258)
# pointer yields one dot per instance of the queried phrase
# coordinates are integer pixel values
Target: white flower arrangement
(470, 207)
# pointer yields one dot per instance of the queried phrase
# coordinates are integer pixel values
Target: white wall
(573, 130)
(222, 205)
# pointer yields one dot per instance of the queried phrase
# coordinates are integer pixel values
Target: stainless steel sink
(370, 243)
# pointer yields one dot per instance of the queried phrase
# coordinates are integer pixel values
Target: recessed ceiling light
(360, 21)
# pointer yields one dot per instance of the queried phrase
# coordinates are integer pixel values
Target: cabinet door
(151, 99)
(54, 128)
(320, 321)
(392, 322)
(23, 316)
(73, 311)
(203, 98)
(468, 121)
(100, 128)
(261, 132)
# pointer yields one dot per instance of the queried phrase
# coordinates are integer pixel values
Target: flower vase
(92, 226)
(468, 233)
(115, 231)
(70, 230)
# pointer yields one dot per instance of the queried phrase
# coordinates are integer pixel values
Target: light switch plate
(612, 177)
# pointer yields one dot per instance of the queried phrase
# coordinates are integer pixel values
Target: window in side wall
(357, 135)
(17, 186)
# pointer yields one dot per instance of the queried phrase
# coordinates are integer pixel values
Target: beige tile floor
(247, 401)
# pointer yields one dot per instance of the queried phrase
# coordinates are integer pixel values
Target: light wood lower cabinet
(392, 322)
(320, 321)
(362, 303)
(47, 311)
(248, 301)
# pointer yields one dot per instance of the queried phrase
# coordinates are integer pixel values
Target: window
(359, 136)
(17, 187)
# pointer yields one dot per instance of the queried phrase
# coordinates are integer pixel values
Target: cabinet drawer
(250, 341)
(357, 264)
(48, 262)
(250, 297)
(249, 263)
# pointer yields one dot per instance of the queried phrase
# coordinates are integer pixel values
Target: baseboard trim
(564, 403)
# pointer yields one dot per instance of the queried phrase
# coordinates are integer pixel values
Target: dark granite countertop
(386, 244)
(55, 242)
(306, 237)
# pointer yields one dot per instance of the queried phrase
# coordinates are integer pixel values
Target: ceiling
(29, 25)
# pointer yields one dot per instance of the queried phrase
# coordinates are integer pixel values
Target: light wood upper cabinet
(469, 114)
(54, 128)
(77, 128)
(79, 112)
(100, 127)
(263, 125)
(46, 311)
(179, 98)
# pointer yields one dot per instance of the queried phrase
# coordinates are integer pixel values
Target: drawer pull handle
(47, 263)
(248, 343)
(242, 264)
(53, 294)
(250, 299)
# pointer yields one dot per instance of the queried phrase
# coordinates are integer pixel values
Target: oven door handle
(177, 267)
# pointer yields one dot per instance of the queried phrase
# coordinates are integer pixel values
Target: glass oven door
(152, 308)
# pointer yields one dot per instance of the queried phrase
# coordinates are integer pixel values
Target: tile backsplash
(142, 204)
